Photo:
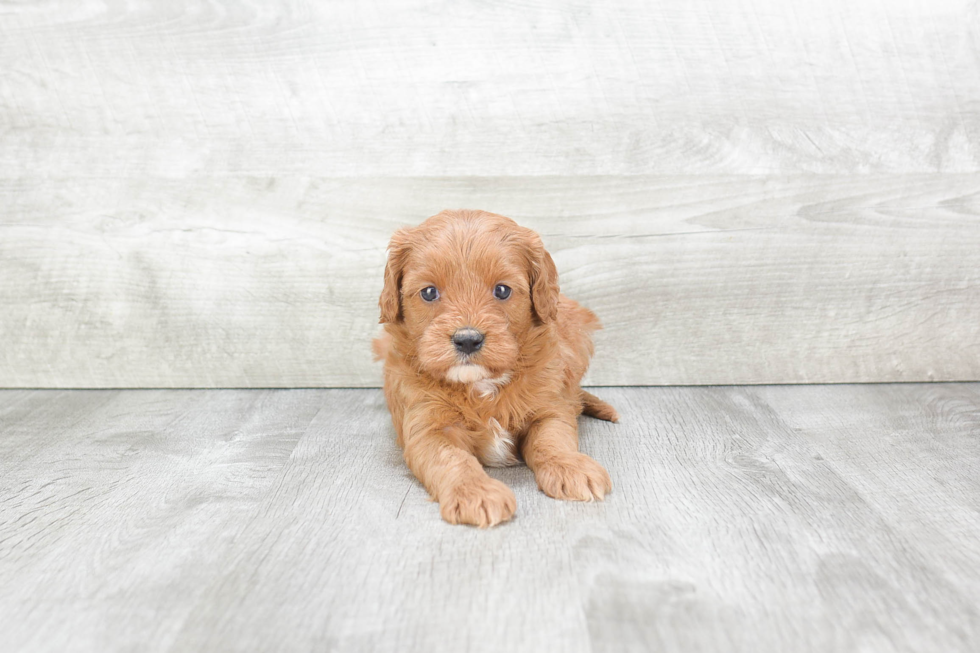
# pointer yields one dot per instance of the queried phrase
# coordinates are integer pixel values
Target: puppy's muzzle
(467, 340)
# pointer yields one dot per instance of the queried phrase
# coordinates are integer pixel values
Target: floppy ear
(390, 301)
(544, 281)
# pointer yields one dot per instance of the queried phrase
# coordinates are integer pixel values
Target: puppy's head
(466, 288)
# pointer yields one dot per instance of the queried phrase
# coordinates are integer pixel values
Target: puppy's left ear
(544, 280)
(391, 301)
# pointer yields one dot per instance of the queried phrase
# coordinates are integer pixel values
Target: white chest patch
(490, 387)
(501, 451)
(467, 373)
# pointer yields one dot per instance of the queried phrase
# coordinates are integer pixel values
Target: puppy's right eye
(429, 293)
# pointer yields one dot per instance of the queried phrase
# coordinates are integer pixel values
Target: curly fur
(518, 395)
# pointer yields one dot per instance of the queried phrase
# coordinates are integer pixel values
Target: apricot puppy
(482, 362)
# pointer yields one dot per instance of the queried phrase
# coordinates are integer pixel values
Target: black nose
(467, 340)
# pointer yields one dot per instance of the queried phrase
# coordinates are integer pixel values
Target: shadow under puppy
(482, 363)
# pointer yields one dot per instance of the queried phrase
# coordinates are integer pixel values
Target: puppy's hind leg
(595, 407)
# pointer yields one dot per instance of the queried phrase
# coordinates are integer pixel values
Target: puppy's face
(468, 287)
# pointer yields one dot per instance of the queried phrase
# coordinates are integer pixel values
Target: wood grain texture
(198, 194)
(118, 504)
(836, 518)
(274, 283)
(286, 87)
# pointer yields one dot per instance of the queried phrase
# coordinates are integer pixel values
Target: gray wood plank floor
(765, 518)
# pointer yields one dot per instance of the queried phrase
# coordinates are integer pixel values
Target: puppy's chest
(499, 447)
(499, 433)
(498, 422)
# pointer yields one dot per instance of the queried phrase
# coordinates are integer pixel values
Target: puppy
(482, 363)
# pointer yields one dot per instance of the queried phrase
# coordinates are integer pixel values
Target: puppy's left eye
(501, 291)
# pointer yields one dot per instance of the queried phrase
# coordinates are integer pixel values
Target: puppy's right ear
(391, 301)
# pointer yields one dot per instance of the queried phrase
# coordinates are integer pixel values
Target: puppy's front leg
(455, 478)
(562, 472)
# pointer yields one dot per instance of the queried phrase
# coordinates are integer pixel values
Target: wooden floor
(779, 518)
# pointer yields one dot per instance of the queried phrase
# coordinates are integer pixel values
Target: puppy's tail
(595, 407)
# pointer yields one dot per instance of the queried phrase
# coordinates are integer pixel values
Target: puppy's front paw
(573, 477)
(481, 502)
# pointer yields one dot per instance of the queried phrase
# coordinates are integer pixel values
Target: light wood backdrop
(200, 193)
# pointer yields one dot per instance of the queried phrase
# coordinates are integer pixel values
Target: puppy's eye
(429, 293)
(501, 291)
